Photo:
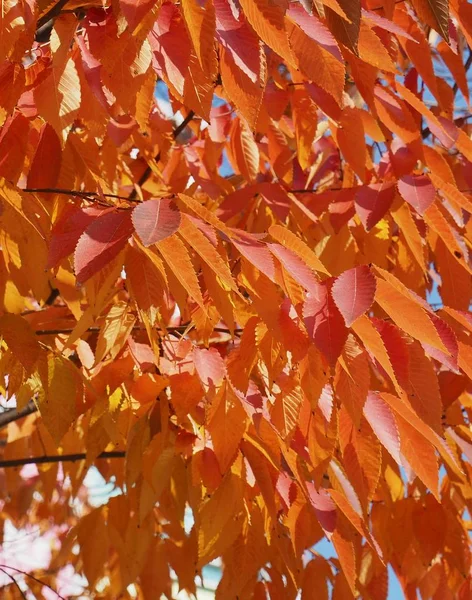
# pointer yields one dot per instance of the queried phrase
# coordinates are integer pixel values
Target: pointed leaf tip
(154, 220)
(354, 292)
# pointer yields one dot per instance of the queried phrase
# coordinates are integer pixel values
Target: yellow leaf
(288, 239)
(57, 404)
(267, 20)
(201, 25)
(287, 406)
(203, 247)
(114, 332)
(244, 151)
(227, 426)
(405, 311)
(204, 213)
(20, 339)
(178, 260)
(219, 519)
(318, 64)
(58, 98)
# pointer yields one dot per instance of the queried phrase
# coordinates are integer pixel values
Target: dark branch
(51, 14)
(467, 65)
(14, 414)
(15, 583)
(147, 172)
(42, 460)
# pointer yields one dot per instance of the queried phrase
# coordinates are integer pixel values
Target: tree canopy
(247, 304)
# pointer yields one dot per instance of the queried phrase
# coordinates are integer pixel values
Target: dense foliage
(226, 306)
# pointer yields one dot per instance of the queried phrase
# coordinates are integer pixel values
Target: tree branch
(15, 583)
(78, 193)
(48, 459)
(33, 578)
(147, 172)
(14, 414)
(176, 329)
(51, 14)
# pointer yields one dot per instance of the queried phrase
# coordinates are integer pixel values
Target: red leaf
(396, 349)
(101, 242)
(449, 340)
(325, 508)
(13, 146)
(68, 229)
(353, 292)
(135, 11)
(373, 201)
(324, 322)
(418, 191)
(154, 220)
(44, 172)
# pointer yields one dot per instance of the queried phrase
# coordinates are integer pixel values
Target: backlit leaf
(154, 220)
(324, 322)
(418, 191)
(373, 201)
(354, 292)
(101, 242)
(58, 404)
(20, 339)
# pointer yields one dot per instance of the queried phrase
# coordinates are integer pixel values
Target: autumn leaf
(354, 292)
(417, 191)
(155, 220)
(435, 13)
(324, 322)
(57, 404)
(20, 339)
(235, 290)
(101, 242)
(373, 201)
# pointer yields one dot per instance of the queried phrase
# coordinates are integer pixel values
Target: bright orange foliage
(226, 306)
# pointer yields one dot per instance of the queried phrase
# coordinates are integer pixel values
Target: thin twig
(34, 579)
(15, 583)
(48, 459)
(177, 329)
(78, 193)
(147, 172)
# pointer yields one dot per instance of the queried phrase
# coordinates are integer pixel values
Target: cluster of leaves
(249, 344)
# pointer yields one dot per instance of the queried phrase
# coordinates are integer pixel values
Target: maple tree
(226, 309)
